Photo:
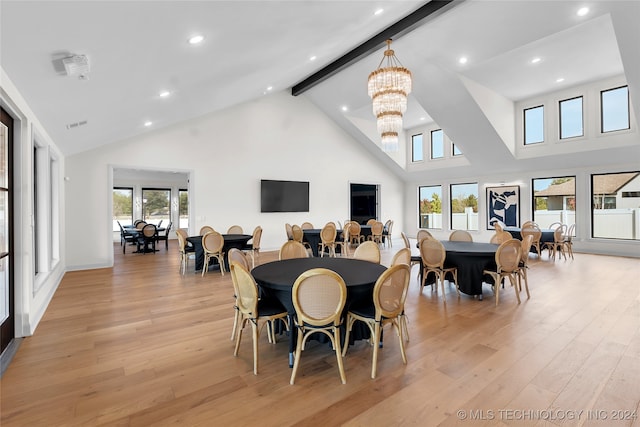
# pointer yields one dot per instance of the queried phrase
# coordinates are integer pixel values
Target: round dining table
(276, 280)
(471, 259)
(230, 241)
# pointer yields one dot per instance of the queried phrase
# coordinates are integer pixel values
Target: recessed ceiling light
(560, 80)
(378, 11)
(147, 123)
(269, 88)
(196, 39)
(463, 60)
(312, 58)
(535, 60)
(422, 118)
(344, 108)
(582, 11)
(164, 94)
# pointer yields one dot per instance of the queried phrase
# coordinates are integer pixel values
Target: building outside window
(554, 200)
(430, 206)
(615, 208)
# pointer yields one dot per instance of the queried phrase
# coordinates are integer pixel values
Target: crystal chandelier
(388, 87)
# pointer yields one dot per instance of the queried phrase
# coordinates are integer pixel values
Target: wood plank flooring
(141, 345)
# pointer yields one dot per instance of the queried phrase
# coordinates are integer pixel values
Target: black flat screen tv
(284, 196)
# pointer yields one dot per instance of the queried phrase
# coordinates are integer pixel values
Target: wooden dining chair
(377, 229)
(433, 257)
(292, 249)
(318, 297)
(328, 240)
(205, 229)
(507, 266)
(254, 311)
(386, 308)
(212, 244)
(460, 236)
(307, 226)
(368, 251)
(235, 229)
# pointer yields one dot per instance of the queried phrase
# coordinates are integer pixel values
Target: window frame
(477, 212)
(602, 112)
(524, 125)
(413, 148)
(420, 222)
(560, 129)
(431, 133)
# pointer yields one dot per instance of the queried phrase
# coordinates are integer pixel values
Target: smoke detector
(76, 65)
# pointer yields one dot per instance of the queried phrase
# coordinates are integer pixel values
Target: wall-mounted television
(284, 196)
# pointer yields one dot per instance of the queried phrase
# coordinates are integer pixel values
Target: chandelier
(388, 87)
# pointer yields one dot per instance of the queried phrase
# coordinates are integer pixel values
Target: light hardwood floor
(140, 345)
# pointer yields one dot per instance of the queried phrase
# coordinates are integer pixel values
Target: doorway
(364, 202)
(7, 315)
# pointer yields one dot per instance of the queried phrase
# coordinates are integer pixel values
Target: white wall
(226, 154)
(33, 292)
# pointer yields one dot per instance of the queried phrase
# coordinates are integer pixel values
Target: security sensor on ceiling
(77, 65)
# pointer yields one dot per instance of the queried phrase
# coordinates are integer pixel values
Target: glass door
(7, 329)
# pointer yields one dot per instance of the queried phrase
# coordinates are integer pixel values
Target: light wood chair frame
(460, 236)
(368, 251)
(292, 249)
(433, 255)
(319, 296)
(508, 258)
(212, 244)
(247, 301)
(389, 296)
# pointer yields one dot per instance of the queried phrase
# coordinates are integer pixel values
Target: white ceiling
(139, 48)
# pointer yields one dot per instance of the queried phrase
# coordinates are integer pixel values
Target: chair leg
(236, 317)
(376, 340)
(296, 360)
(405, 327)
(255, 333)
(400, 338)
(336, 339)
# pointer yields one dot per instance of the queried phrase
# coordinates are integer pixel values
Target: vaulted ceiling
(138, 49)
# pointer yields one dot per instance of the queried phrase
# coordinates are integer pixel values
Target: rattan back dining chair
(318, 297)
(507, 266)
(212, 244)
(387, 308)
(235, 229)
(205, 229)
(328, 240)
(254, 311)
(292, 249)
(460, 236)
(433, 256)
(368, 251)
(239, 257)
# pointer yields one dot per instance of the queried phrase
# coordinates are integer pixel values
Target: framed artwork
(503, 204)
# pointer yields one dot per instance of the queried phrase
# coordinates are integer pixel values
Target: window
(613, 216)
(122, 207)
(554, 200)
(571, 118)
(416, 148)
(614, 107)
(464, 206)
(534, 125)
(430, 206)
(156, 205)
(437, 144)
(455, 151)
(183, 208)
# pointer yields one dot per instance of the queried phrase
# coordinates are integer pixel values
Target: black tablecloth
(230, 241)
(547, 234)
(471, 259)
(312, 236)
(276, 280)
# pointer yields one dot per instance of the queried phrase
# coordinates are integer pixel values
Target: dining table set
(135, 236)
